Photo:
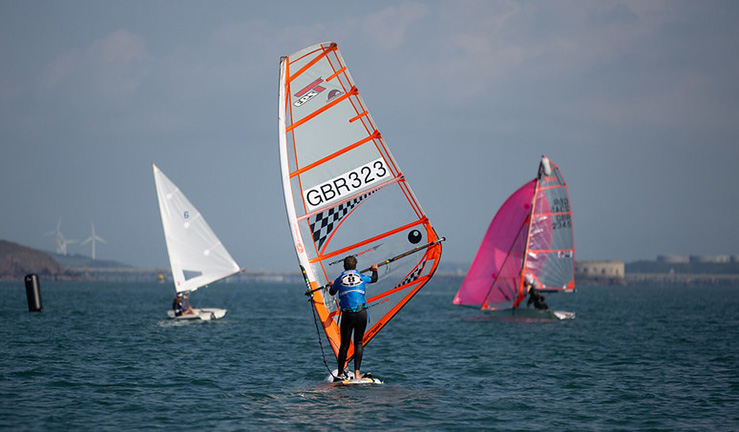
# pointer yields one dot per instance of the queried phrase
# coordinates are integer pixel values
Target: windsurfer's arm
(374, 273)
(334, 288)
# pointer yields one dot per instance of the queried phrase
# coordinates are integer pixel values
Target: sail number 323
(346, 184)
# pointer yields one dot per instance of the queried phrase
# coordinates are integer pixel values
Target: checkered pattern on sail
(414, 274)
(323, 223)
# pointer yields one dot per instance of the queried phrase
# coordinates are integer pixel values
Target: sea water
(103, 356)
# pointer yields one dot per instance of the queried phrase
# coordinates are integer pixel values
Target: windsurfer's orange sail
(344, 192)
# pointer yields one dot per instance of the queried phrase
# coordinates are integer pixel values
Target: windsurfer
(540, 303)
(181, 305)
(534, 296)
(533, 291)
(351, 287)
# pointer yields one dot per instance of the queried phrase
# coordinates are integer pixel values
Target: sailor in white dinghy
(181, 305)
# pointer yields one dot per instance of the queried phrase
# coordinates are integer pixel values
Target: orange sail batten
(337, 154)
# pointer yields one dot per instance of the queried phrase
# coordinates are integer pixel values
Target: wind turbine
(94, 237)
(61, 242)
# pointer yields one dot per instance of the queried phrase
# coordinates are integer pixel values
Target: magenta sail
(493, 276)
(530, 237)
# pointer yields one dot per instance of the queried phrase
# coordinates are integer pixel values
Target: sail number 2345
(346, 184)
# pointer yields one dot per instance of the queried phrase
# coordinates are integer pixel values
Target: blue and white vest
(352, 288)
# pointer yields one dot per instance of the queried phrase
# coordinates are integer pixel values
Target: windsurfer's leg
(345, 331)
(360, 324)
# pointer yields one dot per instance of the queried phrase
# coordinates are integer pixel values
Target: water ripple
(104, 357)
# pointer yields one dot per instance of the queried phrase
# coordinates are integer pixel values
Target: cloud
(64, 65)
(388, 27)
(619, 63)
(119, 48)
(108, 69)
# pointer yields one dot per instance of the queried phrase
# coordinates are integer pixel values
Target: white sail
(196, 255)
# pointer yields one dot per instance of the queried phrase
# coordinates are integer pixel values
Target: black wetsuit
(354, 321)
(540, 304)
(178, 306)
(533, 297)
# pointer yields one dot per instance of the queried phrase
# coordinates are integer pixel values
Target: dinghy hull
(204, 314)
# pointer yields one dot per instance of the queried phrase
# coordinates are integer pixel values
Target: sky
(636, 101)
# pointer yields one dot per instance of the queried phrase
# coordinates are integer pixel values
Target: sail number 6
(346, 184)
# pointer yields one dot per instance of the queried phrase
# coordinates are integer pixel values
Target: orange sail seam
(336, 229)
(371, 332)
(414, 205)
(358, 116)
(334, 155)
(540, 215)
(552, 186)
(549, 251)
(321, 47)
(321, 110)
(335, 74)
(369, 240)
(363, 114)
(328, 242)
(371, 126)
(394, 290)
(325, 53)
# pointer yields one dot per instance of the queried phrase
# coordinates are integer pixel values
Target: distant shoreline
(17, 260)
(451, 278)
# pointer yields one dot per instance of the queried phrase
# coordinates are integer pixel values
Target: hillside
(80, 262)
(16, 261)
